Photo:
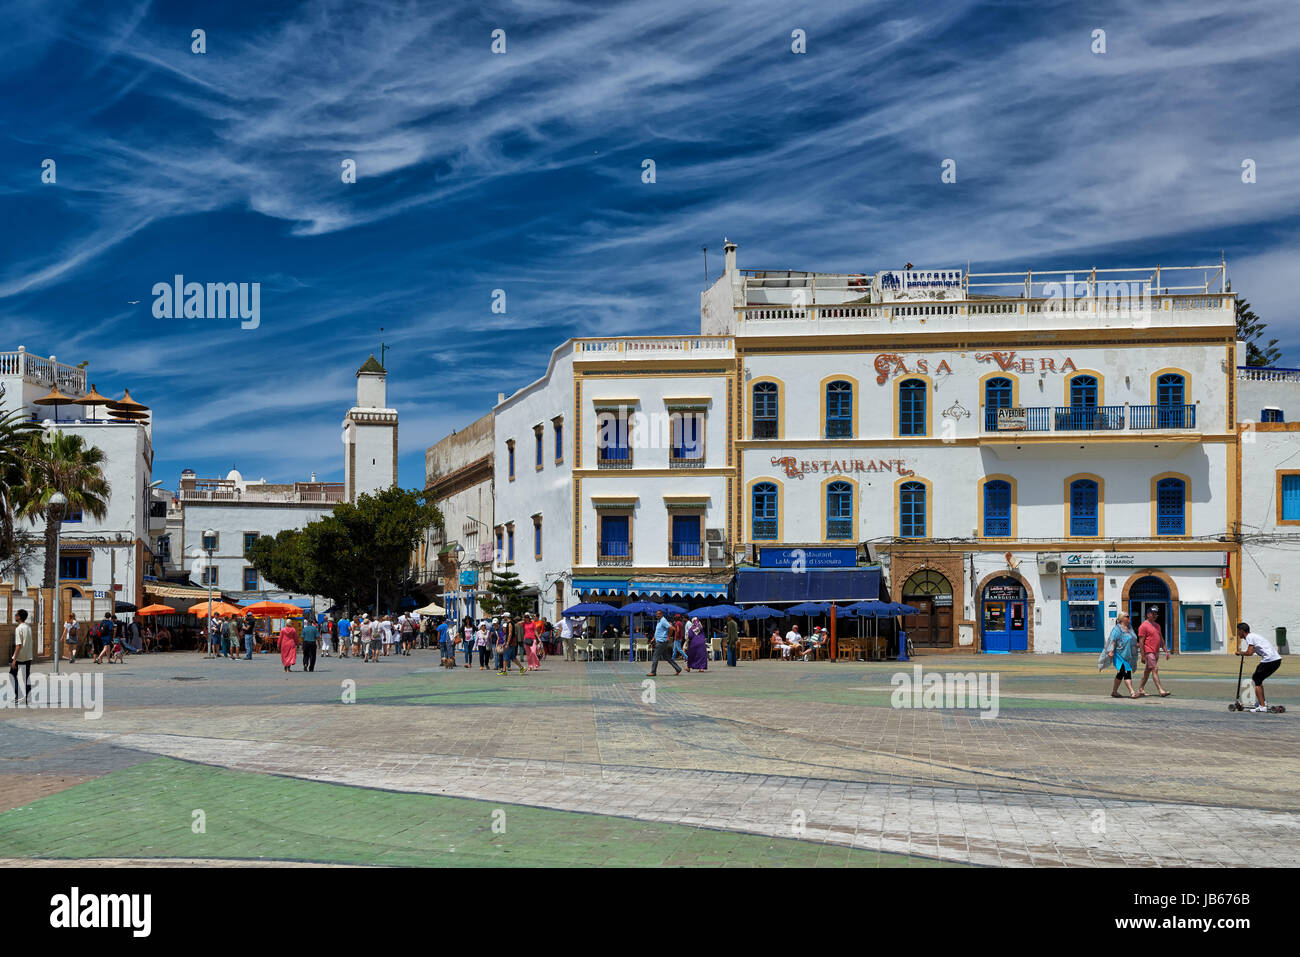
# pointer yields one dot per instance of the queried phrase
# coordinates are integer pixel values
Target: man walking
(24, 643)
(310, 634)
(663, 646)
(345, 635)
(733, 641)
(1152, 640)
(566, 636)
(677, 632)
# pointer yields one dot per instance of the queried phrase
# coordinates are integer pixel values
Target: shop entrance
(1003, 620)
(931, 594)
(1147, 593)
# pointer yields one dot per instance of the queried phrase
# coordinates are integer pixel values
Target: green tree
(16, 431)
(1251, 331)
(59, 462)
(507, 594)
(344, 554)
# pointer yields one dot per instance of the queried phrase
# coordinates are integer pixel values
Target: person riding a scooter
(1270, 661)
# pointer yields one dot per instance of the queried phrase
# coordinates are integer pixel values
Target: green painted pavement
(253, 816)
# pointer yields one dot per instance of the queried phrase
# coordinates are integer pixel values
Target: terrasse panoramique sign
(798, 468)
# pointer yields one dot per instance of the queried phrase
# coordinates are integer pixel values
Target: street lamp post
(458, 550)
(209, 536)
(58, 502)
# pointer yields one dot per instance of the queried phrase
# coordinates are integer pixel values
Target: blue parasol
(587, 608)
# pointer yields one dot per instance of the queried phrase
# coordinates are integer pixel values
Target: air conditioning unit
(713, 535)
(1049, 564)
(717, 553)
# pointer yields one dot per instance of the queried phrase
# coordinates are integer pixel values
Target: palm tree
(16, 431)
(58, 462)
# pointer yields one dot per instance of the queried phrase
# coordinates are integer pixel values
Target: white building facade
(1018, 457)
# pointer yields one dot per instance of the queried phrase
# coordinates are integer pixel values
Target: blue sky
(522, 172)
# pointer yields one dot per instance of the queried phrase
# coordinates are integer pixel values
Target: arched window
(911, 510)
(764, 511)
(997, 395)
(1083, 392)
(1171, 498)
(997, 509)
(839, 409)
(766, 424)
(1170, 396)
(1083, 507)
(839, 510)
(911, 407)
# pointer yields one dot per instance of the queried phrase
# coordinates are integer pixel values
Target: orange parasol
(218, 608)
(274, 609)
(157, 610)
(92, 398)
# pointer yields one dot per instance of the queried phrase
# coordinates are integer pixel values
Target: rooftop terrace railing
(41, 371)
(1267, 374)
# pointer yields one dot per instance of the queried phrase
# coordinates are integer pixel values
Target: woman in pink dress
(288, 645)
(532, 641)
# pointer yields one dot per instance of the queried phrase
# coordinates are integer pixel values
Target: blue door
(1147, 593)
(1196, 627)
(1003, 623)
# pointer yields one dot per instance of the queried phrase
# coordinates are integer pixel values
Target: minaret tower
(370, 435)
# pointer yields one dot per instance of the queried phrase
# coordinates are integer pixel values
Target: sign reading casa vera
(805, 558)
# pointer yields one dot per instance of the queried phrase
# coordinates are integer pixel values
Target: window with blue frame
(250, 579)
(73, 567)
(1290, 485)
(537, 446)
(764, 511)
(911, 510)
(1170, 396)
(997, 509)
(686, 546)
(612, 446)
(559, 441)
(615, 538)
(1083, 507)
(1083, 392)
(249, 539)
(1079, 592)
(687, 439)
(1271, 415)
(501, 538)
(537, 539)
(510, 543)
(766, 424)
(911, 407)
(839, 510)
(839, 409)
(1171, 500)
(73, 517)
(997, 395)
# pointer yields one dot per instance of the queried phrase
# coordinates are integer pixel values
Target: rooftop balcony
(39, 371)
(1267, 374)
(655, 347)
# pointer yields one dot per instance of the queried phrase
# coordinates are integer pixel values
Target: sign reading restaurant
(797, 468)
(804, 558)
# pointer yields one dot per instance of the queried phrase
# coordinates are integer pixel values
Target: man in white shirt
(24, 645)
(793, 642)
(566, 635)
(1270, 660)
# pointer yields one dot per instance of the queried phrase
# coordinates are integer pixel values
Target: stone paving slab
(740, 749)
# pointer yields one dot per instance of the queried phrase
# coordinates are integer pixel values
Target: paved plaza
(770, 763)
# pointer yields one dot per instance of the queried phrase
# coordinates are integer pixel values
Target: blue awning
(848, 584)
(707, 589)
(599, 586)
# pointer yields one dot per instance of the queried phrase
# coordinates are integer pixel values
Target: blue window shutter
(1083, 507)
(1291, 497)
(997, 509)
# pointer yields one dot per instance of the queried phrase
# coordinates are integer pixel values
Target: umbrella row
(871, 608)
(261, 609)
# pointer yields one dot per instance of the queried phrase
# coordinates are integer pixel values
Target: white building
(454, 563)
(1268, 404)
(105, 560)
(237, 511)
(370, 435)
(1023, 454)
